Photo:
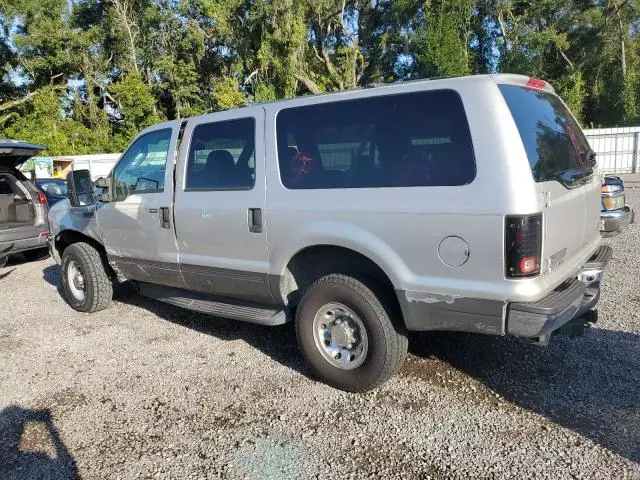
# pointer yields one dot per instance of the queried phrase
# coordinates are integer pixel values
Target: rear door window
(222, 156)
(555, 145)
(407, 140)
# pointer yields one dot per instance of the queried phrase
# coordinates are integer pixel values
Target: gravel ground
(146, 390)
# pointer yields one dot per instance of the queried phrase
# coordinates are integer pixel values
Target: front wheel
(86, 285)
(346, 334)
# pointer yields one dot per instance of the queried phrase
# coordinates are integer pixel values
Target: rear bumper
(538, 320)
(612, 222)
(21, 245)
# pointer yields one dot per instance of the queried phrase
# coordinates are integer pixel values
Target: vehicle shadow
(31, 447)
(279, 343)
(52, 275)
(16, 259)
(6, 274)
(589, 384)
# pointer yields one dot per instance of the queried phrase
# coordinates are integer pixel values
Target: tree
(87, 75)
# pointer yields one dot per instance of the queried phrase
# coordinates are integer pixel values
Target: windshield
(556, 147)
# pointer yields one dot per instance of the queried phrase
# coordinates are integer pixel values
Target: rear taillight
(523, 248)
(42, 198)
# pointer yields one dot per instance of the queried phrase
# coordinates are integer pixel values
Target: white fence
(99, 165)
(617, 149)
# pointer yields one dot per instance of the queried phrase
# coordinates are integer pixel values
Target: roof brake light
(536, 83)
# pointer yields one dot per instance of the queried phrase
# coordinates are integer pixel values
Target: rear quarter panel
(400, 228)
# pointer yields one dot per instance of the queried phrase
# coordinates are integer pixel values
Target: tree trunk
(622, 48)
(307, 82)
(131, 28)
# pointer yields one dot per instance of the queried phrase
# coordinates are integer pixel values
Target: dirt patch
(36, 438)
(8, 345)
(437, 373)
(84, 329)
(160, 339)
(62, 400)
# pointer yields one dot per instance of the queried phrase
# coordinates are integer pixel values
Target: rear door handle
(255, 220)
(165, 217)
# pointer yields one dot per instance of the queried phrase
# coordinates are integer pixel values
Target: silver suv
(467, 204)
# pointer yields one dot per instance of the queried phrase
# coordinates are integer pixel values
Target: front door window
(142, 168)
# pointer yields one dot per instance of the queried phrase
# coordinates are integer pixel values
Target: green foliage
(225, 93)
(630, 110)
(86, 76)
(136, 106)
(440, 44)
(42, 123)
(571, 89)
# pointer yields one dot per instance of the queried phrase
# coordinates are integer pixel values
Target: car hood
(14, 153)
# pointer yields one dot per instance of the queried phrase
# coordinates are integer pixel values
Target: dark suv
(55, 189)
(23, 208)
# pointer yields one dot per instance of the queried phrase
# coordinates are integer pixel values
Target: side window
(141, 169)
(222, 156)
(406, 140)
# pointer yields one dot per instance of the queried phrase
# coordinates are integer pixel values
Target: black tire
(3, 261)
(98, 286)
(37, 254)
(388, 342)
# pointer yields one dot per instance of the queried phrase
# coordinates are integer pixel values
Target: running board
(219, 307)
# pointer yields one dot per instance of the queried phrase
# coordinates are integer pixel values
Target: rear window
(54, 188)
(553, 139)
(416, 139)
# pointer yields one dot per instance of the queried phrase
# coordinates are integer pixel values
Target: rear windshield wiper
(574, 177)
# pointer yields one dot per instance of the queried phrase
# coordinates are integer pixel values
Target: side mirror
(80, 188)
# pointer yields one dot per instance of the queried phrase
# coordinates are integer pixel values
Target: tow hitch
(577, 326)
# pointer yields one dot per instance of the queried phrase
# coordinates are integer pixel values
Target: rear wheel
(86, 285)
(37, 254)
(3, 261)
(346, 333)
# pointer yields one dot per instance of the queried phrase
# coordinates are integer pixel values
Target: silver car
(23, 208)
(466, 204)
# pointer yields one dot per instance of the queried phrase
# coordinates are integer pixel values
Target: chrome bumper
(612, 222)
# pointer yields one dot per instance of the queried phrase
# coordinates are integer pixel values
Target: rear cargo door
(14, 153)
(563, 165)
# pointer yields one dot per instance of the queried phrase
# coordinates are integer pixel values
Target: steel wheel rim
(340, 336)
(76, 281)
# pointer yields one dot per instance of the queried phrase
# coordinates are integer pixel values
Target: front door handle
(255, 220)
(165, 217)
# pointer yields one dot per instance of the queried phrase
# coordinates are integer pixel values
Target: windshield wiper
(574, 177)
